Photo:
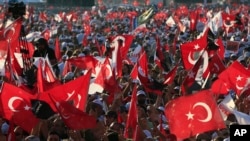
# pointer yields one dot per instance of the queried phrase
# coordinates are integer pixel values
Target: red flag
(40, 79)
(46, 34)
(191, 51)
(12, 32)
(66, 68)
(237, 76)
(132, 115)
(16, 106)
(58, 49)
(150, 86)
(103, 74)
(74, 90)
(169, 78)
(193, 20)
(219, 87)
(85, 62)
(193, 114)
(48, 71)
(190, 78)
(120, 45)
(216, 66)
(74, 118)
(134, 72)
(43, 16)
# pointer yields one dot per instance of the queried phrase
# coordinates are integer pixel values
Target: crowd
(89, 32)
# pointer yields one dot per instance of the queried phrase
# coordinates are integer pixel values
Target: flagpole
(205, 82)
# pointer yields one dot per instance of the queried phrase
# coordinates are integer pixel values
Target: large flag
(190, 115)
(236, 76)
(75, 91)
(16, 106)
(191, 51)
(74, 118)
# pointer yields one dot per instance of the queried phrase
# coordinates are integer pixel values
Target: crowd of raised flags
(191, 62)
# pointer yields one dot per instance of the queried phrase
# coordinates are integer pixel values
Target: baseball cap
(141, 92)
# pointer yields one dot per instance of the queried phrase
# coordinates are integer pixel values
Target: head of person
(141, 97)
(59, 127)
(53, 136)
(20, 134)
(41, 43)
(32, 138)
(110, 116)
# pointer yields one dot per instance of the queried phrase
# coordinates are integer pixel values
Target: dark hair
(54, 133)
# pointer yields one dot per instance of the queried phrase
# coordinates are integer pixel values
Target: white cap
(141, 92)
(161, 108)
(148, 134)
(98, 101)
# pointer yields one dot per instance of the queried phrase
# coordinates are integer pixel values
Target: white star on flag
(238, 78)
(191, 74)
(190, 115)
(196, 46)
(26, 107)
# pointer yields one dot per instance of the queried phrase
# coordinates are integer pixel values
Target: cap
(141, 92)
(32, 138)
(69, 76)
(98, 101)
(111, 114)
(161, 108)
(176, 88)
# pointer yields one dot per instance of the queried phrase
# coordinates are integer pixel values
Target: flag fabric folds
(196, 113)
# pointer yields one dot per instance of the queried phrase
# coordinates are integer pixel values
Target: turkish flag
(190, 78)
(16, 105)
(216, 66)
(74, 90)
(103, 75)
(193, 19)
(46, 34)
(131, 122)
(169, 78)
(74, 118)
(120, 45)
(193, 114)
(237, 76)
(12, 32)
(191, 51)
(85, 62)
(150, 86)
(219, 87)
